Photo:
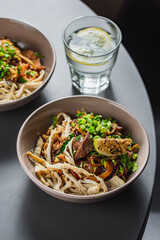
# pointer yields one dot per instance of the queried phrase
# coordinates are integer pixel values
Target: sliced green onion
(65, 143)
(22, 80)
(38, 55)
(54, 119)
(78, 138)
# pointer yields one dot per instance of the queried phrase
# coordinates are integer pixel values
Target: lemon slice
(97, 37)
(90, 42)
(112, 146)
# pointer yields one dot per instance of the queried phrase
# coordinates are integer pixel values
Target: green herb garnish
(114, 161)
(82, 127)
(103, 161)
(6, 44)
(65, 143)
(74, 152)
(21, 80)
(79, 114)
(54, 119)
(6, 53)
(121, 169)
(38, 55)
(134, 156)
(95, 125)
(73, 124)
(125, 161)
(135, 167)
(116, 136)
(19, 69)
(78, 138)
(32, 73)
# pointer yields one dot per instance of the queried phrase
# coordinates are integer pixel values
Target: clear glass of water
(91, 46)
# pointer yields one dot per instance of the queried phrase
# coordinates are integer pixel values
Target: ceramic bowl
(28, 37)
(40, 120)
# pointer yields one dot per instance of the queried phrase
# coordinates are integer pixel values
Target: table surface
(26, 211)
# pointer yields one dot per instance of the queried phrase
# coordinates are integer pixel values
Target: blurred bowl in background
(25, 36)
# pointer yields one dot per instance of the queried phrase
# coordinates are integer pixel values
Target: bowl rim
(52, 67)
(81, 197)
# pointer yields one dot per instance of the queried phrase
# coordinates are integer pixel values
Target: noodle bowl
(40, 122)
(20, 72)
(25, 38)
(68, 159)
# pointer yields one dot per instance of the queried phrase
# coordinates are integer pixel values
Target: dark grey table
(28, 213)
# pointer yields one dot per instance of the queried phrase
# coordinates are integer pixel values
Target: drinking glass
(91, 74)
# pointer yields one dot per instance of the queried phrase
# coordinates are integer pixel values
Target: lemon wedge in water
(98, 38)
(90, 42)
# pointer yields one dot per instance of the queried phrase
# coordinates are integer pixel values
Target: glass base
(90, 83)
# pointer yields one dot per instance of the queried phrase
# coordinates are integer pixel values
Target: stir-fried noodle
(84, 156)
(20, 71)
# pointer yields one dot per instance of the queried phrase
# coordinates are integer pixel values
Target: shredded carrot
(107, 172)
(45, 145)
(24, 67)
(60, 158)
(45, 137)
(123, 177)
(135, 148)
(96, 164)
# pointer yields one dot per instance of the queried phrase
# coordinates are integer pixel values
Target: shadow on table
(137, 37)
(109, 92)
(11, 121)
(44, 217)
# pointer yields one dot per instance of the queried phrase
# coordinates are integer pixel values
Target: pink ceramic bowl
(40, 120)
(28, 37)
